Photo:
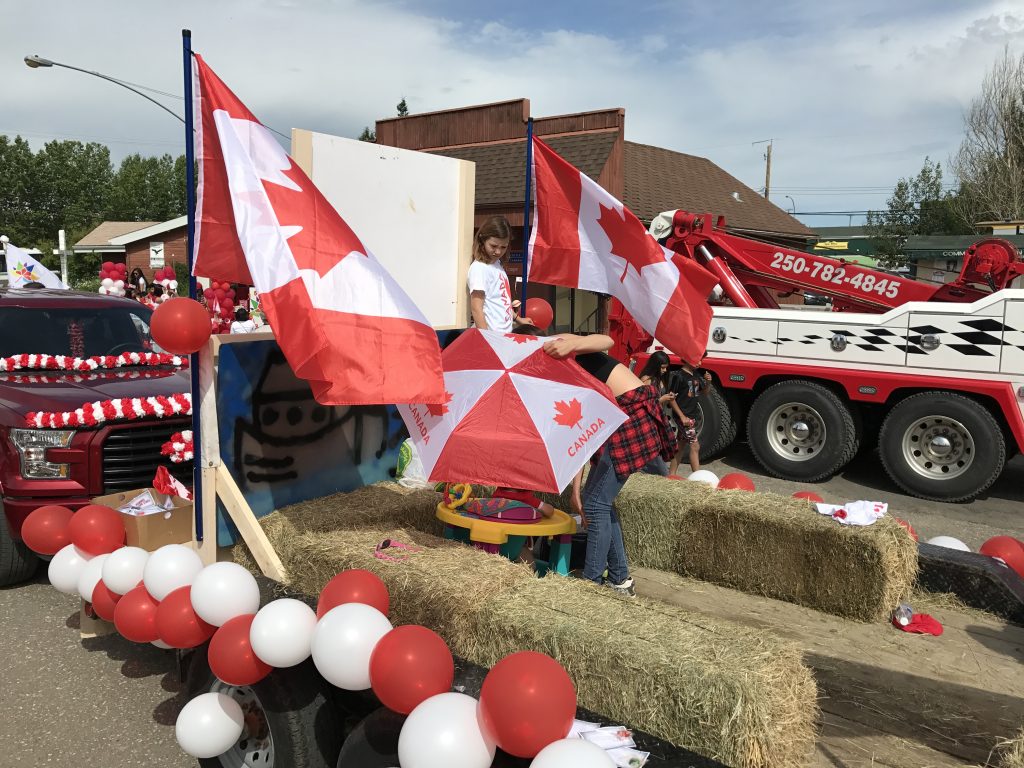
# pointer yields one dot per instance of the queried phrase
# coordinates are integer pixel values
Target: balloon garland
(100, 411)
(29, 362)
(180, 447)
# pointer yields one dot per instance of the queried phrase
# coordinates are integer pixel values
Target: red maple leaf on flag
(568, 414)
(629, 240)
(440, 409)
(520, 338)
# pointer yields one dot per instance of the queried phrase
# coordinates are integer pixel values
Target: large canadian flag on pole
(584, 238)
(341, 320)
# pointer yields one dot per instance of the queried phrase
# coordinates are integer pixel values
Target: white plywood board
(412, 210)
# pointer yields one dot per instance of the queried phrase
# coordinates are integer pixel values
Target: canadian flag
(341, 320)
(584, 238)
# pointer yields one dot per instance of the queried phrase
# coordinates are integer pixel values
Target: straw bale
(1011, 753)
(767, 544)
(720, 689)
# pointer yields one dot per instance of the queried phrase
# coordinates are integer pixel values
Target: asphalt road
(1000, 510)
(68, 702)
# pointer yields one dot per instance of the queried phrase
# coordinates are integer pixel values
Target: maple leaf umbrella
(513, 416)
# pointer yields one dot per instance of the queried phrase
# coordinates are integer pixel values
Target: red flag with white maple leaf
(512, 415)
(341, 320)
(583, 237)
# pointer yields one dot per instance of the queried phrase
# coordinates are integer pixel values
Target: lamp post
(35, 62)
(792, 201)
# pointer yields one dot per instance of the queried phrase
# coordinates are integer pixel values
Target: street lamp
(792, 201)
(35, 62)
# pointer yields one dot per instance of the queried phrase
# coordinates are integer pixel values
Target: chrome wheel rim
(796, 432)
(938, 447)
(255, 747)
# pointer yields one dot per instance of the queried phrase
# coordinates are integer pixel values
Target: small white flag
(23, 268)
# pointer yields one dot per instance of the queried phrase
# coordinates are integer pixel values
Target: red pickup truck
(71, 466)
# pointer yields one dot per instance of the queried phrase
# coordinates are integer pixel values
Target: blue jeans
(605, 548)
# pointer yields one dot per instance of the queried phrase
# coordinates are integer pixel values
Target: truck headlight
(32, 445)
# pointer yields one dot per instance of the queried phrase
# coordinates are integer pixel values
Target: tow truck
(930, 374)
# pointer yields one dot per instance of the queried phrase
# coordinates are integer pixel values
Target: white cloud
(852, 98)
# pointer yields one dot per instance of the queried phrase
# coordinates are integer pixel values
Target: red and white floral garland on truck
(180, 447)
(28, 362)
(99, 411)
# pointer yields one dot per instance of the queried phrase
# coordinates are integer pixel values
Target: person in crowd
(137, 280)
(688, 385)
(129, 292)
(242, 323)
(152, 298)
(656, 373)
(490, 298)
(642, 444)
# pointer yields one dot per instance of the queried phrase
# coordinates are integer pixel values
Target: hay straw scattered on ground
(723, 690)
(1011, 752)
(767, 544)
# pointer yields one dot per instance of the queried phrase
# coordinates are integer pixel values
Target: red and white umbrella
(514, 415)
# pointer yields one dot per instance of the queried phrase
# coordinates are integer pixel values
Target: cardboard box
(157, 529)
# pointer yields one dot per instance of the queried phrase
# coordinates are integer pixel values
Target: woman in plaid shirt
(642, 444)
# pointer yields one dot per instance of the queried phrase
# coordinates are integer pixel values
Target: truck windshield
(77, 331)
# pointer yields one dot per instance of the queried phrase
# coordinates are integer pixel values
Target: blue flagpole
(526, 213)
(190, 185)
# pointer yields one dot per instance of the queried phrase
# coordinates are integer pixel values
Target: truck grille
(131, 456)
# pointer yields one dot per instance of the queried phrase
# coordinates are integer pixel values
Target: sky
(854, 95)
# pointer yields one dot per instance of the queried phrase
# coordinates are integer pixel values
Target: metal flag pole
(526, 213)
(193, 359)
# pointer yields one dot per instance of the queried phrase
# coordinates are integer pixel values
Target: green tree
(147, 189)
(17, 191)
(71, 183)
(368, 135)
(918, 206)
(403, 108)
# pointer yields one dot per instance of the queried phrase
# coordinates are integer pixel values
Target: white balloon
(949, 543)
(119, 283)
(282, 632)
(343, 641)
(65, 568)
(123, 570)
(209, 725)
(222, 591)
(170, 567)
(161, 645)
(572, 753)
(103, 291)
(443, 732)
(90, 577)
(704, 476)
(173, 285)
(166, 282)
(107, 282)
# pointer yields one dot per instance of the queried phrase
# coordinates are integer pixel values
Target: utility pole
(767, 165)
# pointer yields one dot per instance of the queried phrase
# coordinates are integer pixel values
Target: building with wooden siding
(647, 179)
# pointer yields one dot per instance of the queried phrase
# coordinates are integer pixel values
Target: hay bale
(720, 689)
(767, 544)
(1011, 753)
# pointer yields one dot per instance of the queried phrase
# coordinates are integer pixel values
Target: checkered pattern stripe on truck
(971, 338)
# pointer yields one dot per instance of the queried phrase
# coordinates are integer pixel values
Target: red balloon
(208, 293)
(540, 312)
(135, 616)
(107, 265)
(229, 293)
(104, 601)
(908, 526)
(178, 624)
(409, 665)
(354, 586)
(225, 286)
(231, 656)
(45, 530)
(736, 482)
(1007, 549)
(180, 325)
(97, 529)
(527, 701)
(809, 495)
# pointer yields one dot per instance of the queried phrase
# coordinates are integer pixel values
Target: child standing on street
(490, 299)
(689, 385)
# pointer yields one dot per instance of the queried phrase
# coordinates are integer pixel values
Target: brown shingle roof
(102, 235)
(662, 180)
(501, 168)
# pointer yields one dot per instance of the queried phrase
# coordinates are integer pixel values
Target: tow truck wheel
(17, 562)
(290, 717)
(799, 430)
(942, 446)
(716, 425)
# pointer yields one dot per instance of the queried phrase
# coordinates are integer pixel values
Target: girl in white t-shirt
(490, 299)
